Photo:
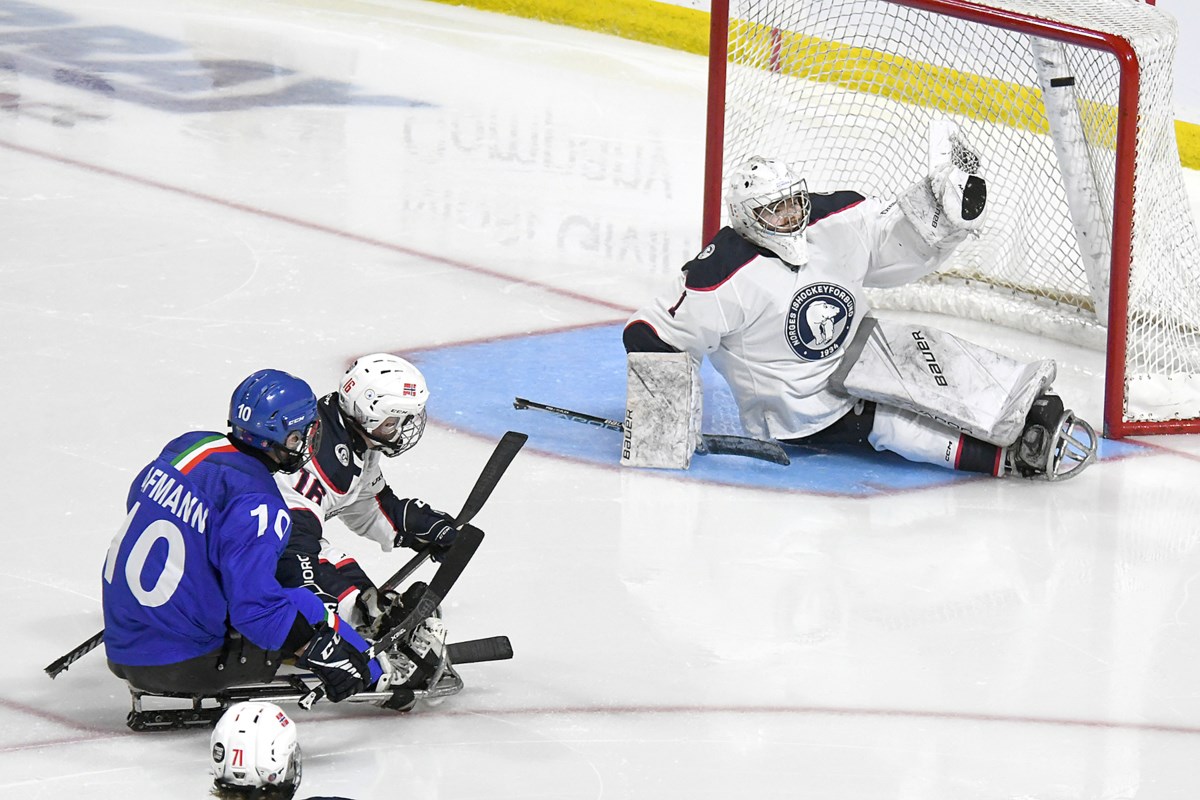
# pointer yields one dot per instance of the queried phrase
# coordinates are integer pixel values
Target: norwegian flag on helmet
(410, 390)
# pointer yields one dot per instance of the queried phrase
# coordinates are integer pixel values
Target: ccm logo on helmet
(935, 369)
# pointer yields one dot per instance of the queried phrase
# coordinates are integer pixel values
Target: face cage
(292, 460)
(793, 206)
(406, 435)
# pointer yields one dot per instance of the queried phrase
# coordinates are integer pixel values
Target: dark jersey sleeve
(306, 533)
(640, 337)
(677, 321)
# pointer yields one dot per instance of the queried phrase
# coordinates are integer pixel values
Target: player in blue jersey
(191, 602)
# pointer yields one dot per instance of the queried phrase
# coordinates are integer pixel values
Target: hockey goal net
(1089, 238)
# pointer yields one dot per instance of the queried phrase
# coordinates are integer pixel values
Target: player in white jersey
(377, 411)
(777, 303)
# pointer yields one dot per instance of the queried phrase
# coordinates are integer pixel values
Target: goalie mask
(254, 751)
(382, 397)
(769, 205)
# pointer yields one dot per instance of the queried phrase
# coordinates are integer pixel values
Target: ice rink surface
(195, 190)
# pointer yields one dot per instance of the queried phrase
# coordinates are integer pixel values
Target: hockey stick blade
(721, 444)
(60, 664)
(475, 651)
(452, 566)
(710, 443)
(506, 450)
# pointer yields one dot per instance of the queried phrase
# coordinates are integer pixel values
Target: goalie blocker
(663, 410)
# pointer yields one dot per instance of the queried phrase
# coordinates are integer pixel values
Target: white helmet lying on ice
(383, 397)
(769, 205)
(253, 748)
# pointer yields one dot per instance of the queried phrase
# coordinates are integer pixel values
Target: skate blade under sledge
(154, 711)
(204, 711)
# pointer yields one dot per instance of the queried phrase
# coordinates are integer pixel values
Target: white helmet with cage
(254, 747)
(383, 397)
(769, 205)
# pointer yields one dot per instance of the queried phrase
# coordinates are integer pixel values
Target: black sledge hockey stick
(714, 443)
(60, 664)
(506, 450)
(452, 566)
(475, 651)
(508, 447)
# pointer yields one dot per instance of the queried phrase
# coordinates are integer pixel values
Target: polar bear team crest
(818, 320)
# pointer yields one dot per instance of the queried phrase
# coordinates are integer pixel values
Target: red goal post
(1089, 238)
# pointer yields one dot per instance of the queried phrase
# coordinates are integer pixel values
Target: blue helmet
(277, 413)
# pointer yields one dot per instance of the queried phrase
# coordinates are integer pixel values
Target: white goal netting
(846, 89)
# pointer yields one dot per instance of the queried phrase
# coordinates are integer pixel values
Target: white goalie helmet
(384, 397)
(769, 205)
(253, 748)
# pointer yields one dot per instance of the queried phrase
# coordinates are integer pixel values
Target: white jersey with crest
(777, 333)
(340, 481)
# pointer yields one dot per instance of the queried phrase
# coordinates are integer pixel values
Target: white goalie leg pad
(933, 373)
(663, 409)
(915, 437)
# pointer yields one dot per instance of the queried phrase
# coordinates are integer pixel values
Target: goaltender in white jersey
(777, 303)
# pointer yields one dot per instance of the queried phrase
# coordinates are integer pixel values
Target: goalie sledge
(776, 300)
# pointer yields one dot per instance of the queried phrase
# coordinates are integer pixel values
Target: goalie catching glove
(955, 176)
(963, 195)
(951, 201)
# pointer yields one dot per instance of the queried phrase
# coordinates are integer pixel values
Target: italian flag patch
(188, 459)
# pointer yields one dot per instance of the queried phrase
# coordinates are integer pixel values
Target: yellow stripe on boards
(662, 24)
(686, 29)
(899, 79)
(1187, 135)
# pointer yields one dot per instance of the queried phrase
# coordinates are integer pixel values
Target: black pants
(853, 429)
(236, 663)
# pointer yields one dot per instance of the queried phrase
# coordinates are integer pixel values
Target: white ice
(192, 190)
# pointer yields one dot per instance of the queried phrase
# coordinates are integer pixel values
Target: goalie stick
(506, 449)
(452, 566)
(714, 443)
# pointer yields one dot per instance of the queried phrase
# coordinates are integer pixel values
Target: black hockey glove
(342, 669)
(423, 526)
